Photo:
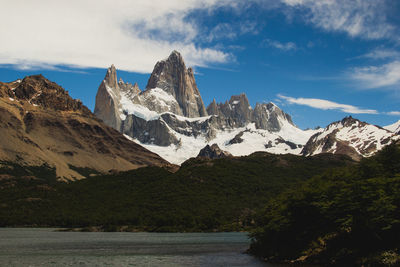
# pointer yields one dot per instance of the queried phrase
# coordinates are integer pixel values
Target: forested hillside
(345, 215)
(204, 195)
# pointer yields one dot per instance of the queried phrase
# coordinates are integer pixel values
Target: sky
(319, 60)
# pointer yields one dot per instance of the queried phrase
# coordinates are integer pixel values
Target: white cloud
(381, 53)
(232, 30)
(378, 76)
(135, 34)
(394, 113)
(361, 18)
(282, 46)
(89, 33)
(222, 31)
(327, 105)
(250, 27)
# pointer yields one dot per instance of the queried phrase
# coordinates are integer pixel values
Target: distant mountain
(169, 117)
(41, 124)
(395, 127)
(351, 137)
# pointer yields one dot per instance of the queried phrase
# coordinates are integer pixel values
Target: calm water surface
(47, 247)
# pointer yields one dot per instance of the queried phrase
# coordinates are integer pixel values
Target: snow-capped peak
(351, 137)
(395, 127)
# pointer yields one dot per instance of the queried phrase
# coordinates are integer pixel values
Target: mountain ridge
(351, 137)
(42, 124)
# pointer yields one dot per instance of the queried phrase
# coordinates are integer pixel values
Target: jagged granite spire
(111, 77)
(238, 111)
(269, 116)
(212, 109)
(107, 100)
(172, 76)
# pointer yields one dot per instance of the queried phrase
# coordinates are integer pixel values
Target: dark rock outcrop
(37, 90)
(237, 139)
(148, 132)
(213, 152)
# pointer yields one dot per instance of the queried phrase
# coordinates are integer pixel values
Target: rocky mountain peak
(270, 116)
(213, 152)
(172, 76)
(349, 120)
(395, 127)
(175, 56)
(107, 99)
(240, 100)
(240, 107)
(111, 77)
(212, 109)
(37, 90)
(136, 88)
(30, 86)
(129, 89)
(41, 124)
(168, 74)
(351, 137)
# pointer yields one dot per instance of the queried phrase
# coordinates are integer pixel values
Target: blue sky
(318, 60)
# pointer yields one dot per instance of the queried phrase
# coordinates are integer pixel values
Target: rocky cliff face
(41, 124)
(107, 100)
(172, 76)
(350, 137)
(38, 91)
(269, 117)
(239, 113)
(238, 109)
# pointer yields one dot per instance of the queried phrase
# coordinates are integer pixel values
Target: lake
(49, 247)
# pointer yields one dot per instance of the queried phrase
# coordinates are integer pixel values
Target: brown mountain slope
(40, 123)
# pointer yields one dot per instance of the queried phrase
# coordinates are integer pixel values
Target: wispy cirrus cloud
(326, 105)
(393, 113)
(360, 18)
(381, 53)
(386, 75)
(281, 46)
(221, 31)
(232, 30)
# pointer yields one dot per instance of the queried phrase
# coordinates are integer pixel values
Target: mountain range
(167, 122)
(42, 125)
(169, 118)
